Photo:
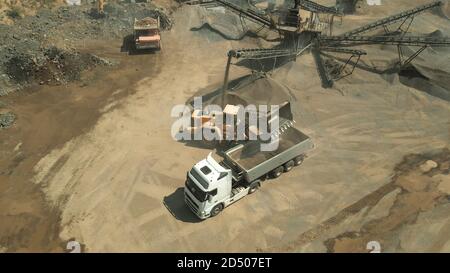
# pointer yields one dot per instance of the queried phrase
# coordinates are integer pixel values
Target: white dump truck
(213, 184)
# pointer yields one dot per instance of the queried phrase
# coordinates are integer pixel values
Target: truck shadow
(176, 206)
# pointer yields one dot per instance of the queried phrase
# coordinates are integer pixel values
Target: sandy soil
(112, 174)
(405, 215)
(47, 118)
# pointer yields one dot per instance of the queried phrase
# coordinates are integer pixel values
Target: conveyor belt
(343, 50)
(392, 19)
(386, 40)
(259, 53)
(197, 2)
(246, 12)
(327, 82)
(314, 7)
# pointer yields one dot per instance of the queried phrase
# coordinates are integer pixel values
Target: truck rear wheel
(216, 210)
(289, 165)
(299, 160)
(277, 172)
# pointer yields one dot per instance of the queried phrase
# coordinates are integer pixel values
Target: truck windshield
(195, 190)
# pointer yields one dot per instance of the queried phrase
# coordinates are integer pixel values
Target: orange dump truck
(147, 33)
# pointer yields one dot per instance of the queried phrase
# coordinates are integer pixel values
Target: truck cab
(209, 188)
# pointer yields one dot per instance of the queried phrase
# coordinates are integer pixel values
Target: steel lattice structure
(320, 44)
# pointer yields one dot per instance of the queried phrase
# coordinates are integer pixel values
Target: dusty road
(115, 180)
(48, 117)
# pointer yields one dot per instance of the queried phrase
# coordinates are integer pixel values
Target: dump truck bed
(146, 23)
(254, 163)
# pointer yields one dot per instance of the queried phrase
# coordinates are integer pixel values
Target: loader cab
(207, 184)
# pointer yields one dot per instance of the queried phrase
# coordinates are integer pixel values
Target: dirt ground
(94, 161)
(43, 113)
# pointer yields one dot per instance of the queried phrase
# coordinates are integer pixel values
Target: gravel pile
(6, 120)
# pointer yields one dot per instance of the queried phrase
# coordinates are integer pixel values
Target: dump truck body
(147, 33)
(253, 163)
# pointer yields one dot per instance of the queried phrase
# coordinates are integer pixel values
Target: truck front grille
(191, 203)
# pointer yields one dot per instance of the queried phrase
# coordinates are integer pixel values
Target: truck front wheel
(216, 210)
(253, 187)
(277, 172)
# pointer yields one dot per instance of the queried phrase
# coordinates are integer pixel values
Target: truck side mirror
(222, 175)
(211, 194)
